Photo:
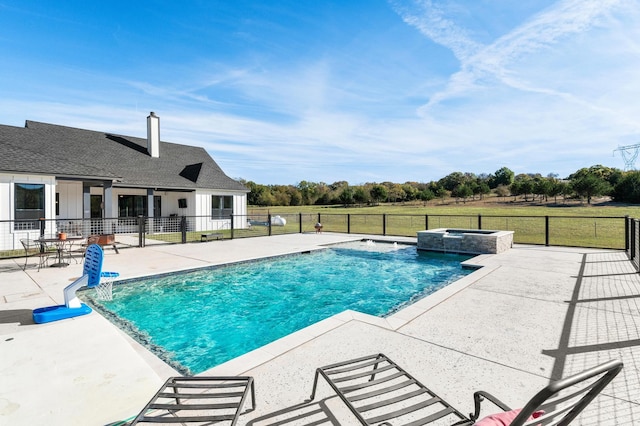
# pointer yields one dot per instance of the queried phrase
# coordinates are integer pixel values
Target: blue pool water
(197, 320)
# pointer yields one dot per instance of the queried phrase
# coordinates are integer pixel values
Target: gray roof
(70, 153)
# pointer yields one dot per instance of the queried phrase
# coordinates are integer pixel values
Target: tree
(503, 176)
(254, 197)
(346, 196)
(295, 197)
(361, 195)
(462, 191)
(590, 185)
(307, 191)
(266, 199)
(627, 190)
(426, 195)
(483, 189)
(451, 181)
(522, 185)
(410, 191)
(542, 187)
(395, 192)
(558, 187)
(378, 193)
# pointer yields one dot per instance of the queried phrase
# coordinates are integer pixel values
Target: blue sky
(360, 90)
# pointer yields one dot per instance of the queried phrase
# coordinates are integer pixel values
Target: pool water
(197, 320)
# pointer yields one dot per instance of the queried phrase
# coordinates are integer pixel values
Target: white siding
(70, 201)
(203, 210)
(10, 239)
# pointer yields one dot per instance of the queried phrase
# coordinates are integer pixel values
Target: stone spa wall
(468, 241)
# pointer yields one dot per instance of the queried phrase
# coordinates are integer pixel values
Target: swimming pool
(197, 320)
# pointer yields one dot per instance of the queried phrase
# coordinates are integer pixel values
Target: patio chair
(198, 399)
(37, 249)
(379, 392)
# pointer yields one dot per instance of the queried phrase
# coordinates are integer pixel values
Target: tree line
(585, 184)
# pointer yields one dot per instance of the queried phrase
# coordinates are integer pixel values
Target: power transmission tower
(629, 154)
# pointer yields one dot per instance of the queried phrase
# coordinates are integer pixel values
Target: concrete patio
(529, 314)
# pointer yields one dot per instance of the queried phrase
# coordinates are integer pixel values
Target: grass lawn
(497, 206)
(570, 224)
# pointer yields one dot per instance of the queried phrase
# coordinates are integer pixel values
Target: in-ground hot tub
(473, 241)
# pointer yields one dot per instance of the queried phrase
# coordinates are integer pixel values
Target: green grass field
(491, 206)
(578, 225)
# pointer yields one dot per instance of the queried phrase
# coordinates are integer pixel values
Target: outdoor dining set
(60, 248)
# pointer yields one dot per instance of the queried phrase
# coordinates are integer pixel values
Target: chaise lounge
(198, 399)
(379, 392)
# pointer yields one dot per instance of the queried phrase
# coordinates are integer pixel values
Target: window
(29, 205)
(221, 206)
(132, 206)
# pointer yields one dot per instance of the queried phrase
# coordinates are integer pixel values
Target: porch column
(86, 209)
(150, 214)
(107, 199)
(109, 226)
(86, 201)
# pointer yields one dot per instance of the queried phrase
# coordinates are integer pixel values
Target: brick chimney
(153, 135)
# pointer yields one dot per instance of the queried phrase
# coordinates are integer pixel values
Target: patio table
(62, 245)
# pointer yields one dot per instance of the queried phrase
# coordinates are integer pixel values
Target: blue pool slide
(72, 306)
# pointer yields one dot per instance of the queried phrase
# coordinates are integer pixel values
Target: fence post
(42, 224)
(140, 231)
(231, 216)
(269, 223)
(348, 223)
(300, 221)
(626, 233)
(634, 246)
(183, 228)
(384, 224)
(546, 231)
(479, 221)
(634, 242)
(426, 222)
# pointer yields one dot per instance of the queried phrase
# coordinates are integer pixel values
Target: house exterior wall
(11, 237)
(203, 211)
(70, 199)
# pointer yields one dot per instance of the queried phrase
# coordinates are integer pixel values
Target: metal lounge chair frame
(202, 398)
(377, 391)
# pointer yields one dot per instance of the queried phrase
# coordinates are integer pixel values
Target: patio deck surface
(528, 315)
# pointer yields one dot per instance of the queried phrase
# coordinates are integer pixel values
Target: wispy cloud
(480, 64)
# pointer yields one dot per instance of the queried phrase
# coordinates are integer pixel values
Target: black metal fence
(577, 231)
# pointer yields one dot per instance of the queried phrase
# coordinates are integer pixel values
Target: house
(63, 174)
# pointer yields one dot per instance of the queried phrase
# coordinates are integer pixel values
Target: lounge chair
(198, 399)
(379, 392)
